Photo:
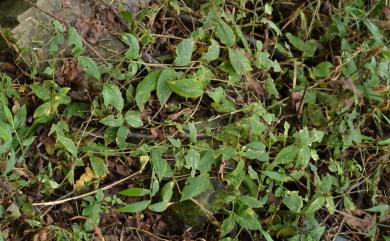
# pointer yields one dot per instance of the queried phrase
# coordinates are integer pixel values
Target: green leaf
(188, 88)
(247, 219)
(193, 132)
(381, 208)
(221, 103)
(217, 95)
(212, 52)
(8, 114)
(303, 157)
(225, 106)
(296, 42)
(112, 96)
(271, 88)
(89, 66)
(252, 173)
(225, 33)
(133, 119)
(75, 39)
(184, 52)
(315, 205)
(235, 177)
(68, 144)
(266, 235)
(206, 161)
(375, 31)
(121, 136)
(41, 91)
(322, 69)
(250, 201)
(99, 166)
(78, 109)
(330, 204)
(175, 142)
(135, 192)
(192, 160)
(348, 203)
(263, 62)
(112, 121)
(384, 142)
(131, 41)
(239, 61)
(268, 9)
(256, 151)
(271, 25)
(135, 207)
(167, 191)
(293, 201)
(6, 137)
(227, 225)
(145, 87)
(275, 176)
(163, 90)
(159, 207)
(287, 154)
(20, 117)
(195, 186)
(166, 194)
(203, 75)
(11, 162)
(309, 48)
(160, 166)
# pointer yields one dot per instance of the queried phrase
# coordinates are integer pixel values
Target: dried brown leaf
(359, 220)
(298, 102)
(386, 12)
(85, 178)
(255, 86)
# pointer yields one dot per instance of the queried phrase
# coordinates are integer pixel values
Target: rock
(97, 23)
(9, 10)
(186, 215)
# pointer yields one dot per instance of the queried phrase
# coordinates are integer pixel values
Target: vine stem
(57, 202)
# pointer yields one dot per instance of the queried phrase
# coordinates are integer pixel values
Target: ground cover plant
(222, 120)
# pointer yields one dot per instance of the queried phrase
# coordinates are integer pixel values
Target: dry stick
(52, 203)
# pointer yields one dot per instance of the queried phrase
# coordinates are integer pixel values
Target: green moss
(184, 215)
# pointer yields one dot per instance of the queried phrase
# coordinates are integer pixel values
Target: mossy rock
(9, 11)
(187, 214)
(35, 31)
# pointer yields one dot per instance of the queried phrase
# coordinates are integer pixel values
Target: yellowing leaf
(85, 178)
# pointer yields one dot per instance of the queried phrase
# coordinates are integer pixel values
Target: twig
(136, 135)
(52, 203)
(148, 233)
